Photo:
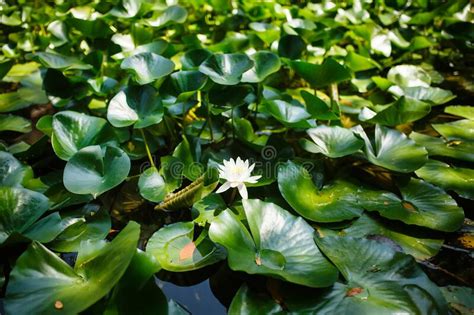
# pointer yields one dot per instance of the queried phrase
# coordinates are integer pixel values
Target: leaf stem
(147, 149)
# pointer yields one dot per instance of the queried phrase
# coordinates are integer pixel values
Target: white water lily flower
(237, 173)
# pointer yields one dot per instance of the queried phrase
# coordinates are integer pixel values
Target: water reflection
(197, 298)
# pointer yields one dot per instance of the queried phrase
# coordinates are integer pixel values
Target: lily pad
(336, 201)
(457, 130)
(19, 209)
(137, 106)
(402, 111)
(60, 62)
(287, 113)
(458, 179)
(14, 123)
(462, 111)
(189, 81)
(329, 72)
(265, 63)
(431, 95)
(42, 283)
(318, 108)
(95, 170)
(393, 150)
(12, 171)
(147, 67)
(73, 131)
(152, 185)
(379, 280)
(409, 76)
(334, 141)
(435, 146)
(279, 245)
(226, 69)
(421, 204)
(459, 299)
(412, 243)
(176, 249)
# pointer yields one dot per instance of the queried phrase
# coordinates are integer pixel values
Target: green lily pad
(176, 250)
(19, 209)
(318, 108)
(402, 111)
(188, 81)
(379, 280)
(435, 146)
(226, 69)
(265, 63)
(458, 179)
(192, 59)
(147, 67)
(412, 243)
(421, 204)
(152, 185)
(60, 62)
(459, 299)
(139, 106)
(329, 72)
(336, 201)
(393, 150)
(334, 141)
(73, 131)
(432, 95)
(279, 245)
(287, 113)
(89, 222)
(12, 171)
(409, 76)
(246, 301)
(95, 170)
(42, 283)
(206, 209)
(457, 130)
(14, 123)
(172, 14)
(462, 111)
(358, 62)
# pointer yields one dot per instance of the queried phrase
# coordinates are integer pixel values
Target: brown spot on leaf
(258, 261)
(354, 291)
(58, 305)
(408, 206)
(385, 202)
(187, 251)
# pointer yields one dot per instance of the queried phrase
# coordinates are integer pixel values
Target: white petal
(251, 167)
(253, 179)
(243, 191)
(235, 184)
(223, 188)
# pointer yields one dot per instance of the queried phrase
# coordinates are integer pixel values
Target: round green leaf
(379, 281)
(137, 105)
(329, 72)
(279, 245)
(61, 62)
(412, 242)
(409, 76)
(176, 250)
(431, 95)
(42, 283)
(147, 67)
(12, 171)
(288, 113)
(456, 130)
(14, 123)
(95, 170)
(393, 150)
(152, 186)
(421, 204)
(458, 179)
(265, 63)
(226, 69)
(334, 141)
(457, 149)
(19, 208)
(73, 131)
(462, 111)
(172, 14)
(192, 59)
(337, 201)
(188, 81)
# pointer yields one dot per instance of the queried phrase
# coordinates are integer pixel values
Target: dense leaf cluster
(115, 114)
